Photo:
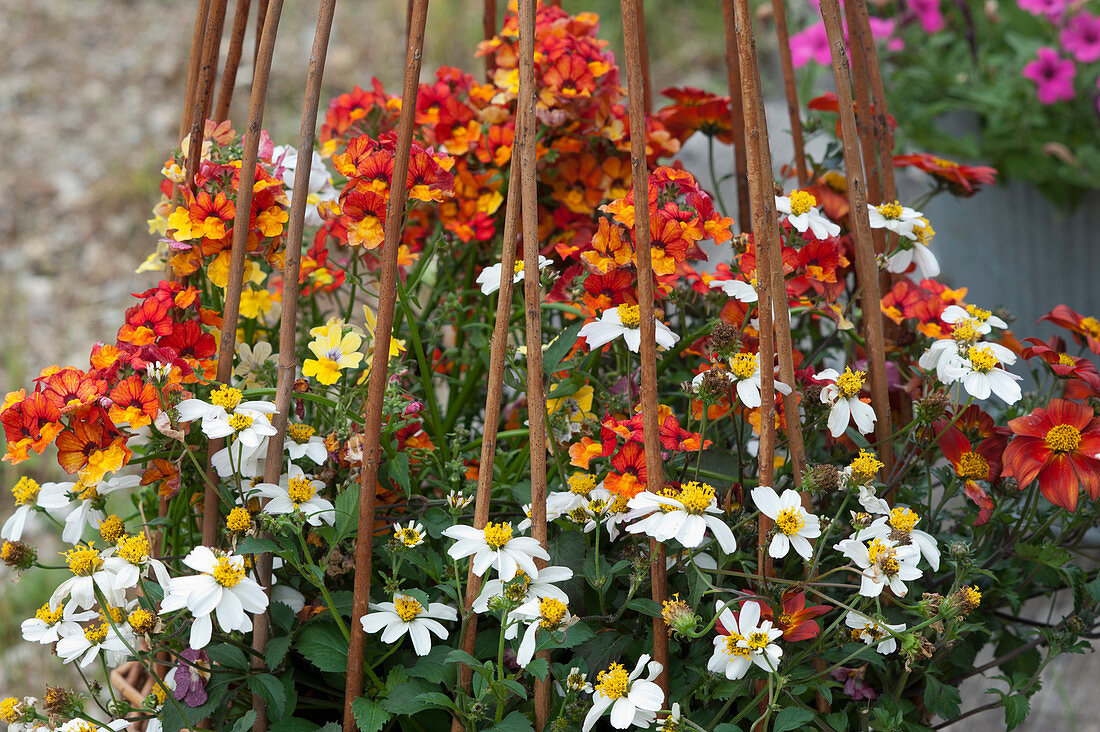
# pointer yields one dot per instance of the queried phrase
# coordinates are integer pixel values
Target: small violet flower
(1052, 75)
(1081, 37)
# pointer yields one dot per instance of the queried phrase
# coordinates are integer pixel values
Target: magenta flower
(1051, 9)
(810, 44)
(1053, 76)
(1081, 37)
(928, 14)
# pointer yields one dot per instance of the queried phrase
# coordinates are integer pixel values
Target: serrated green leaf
(229, 656)
(514, 722)
(538, 668)
(941, 699)
(369, 714)
(256, 545)
(559, 348)
(245, 723)
(272, 692)
(276, 650)
(433, 667)
(1017, 707)
(515, 687)
(297, 724)
(790, 718)
(436, 699)
(405, 698)
(645, 606)
(324, 646)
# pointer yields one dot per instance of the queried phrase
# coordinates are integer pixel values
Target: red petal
(1024, 458)
(1066, 412)
(1088, 471)
(1059, 483)
(953, 443)
(1036, 424)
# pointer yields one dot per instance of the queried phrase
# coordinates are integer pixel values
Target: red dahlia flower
(1058, 447)
(1085, 328)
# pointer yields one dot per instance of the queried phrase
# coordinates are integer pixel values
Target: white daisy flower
(26, 493)
(406, 615)
(981, 321)
(744, 373)
(226, 415)
(899, 523)
(89, 572)
(843, 397)
(624, 321)
(737, 289)
(236, 458)
(685, 518)
(801, 210)
(410, 536)
(794, 525)
(980, 373)
(83, 725)
(580, 485)
(894, 217)
(749, 641)
(872, 632)
(523, 589)
(494, 546)
(47, 626)
(913, 252)
(489, 278)
(221, 589)
(634, 701)
(302, 441)
(129, 559)
(86, 644)
(549, 614)
(297, 493)
(80, 503)
(882, 563)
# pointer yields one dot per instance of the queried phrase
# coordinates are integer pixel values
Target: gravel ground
(90, 97)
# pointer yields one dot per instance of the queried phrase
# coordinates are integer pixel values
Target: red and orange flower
(1056, 446)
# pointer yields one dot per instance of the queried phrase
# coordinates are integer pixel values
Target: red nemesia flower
(1056, 446)
(134, 402)
(92, 447)
(694, 110)
(30, 423)
(209, 215)
(147, 320)
(629, 476)
(70, 389)
(965, 180)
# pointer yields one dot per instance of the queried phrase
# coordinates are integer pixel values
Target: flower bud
(679, 617)
(18, 555)
(932, 407)
(959, 549)
(724, 339)
(823, 478)
(929, 605)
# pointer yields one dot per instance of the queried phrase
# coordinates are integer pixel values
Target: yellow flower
(334, 350)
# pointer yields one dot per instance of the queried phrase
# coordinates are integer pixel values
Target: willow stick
(861, 88)
(866, 267)
(232, 60)
(794, 113)
(655, 479)
(376, 386)
(202, 10)
(288, 362)
(774, 251)
(204, 83)
(737, 116)
(227, 346)
(643, 52)
(883, 134)
(261, 13)
(488, 30)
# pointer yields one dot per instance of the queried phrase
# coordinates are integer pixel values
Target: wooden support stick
(648, 349)
(194, 60)
(200, 107)
(232, 61)
(782, 36)
(376, 387)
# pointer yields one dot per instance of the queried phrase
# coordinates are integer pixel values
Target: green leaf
(460, 656)
(516, 688)
(559, 348)
(514, 722)
(1017, 707)
(369, 714)
(245, 723)
(297, 724)
(398, 471)
(436, 699)
(837, 720)
(433, 667)
(229, 656)
(276, 650)
(347, 512)
(324, 646)
(256, 545)
(282, 616)
(941, 699)
(538, 668)
(405, 698)
(727, 727)
(645, 606)
(271, 690)
(790, 718)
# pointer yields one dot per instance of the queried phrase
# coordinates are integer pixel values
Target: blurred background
(90, 101)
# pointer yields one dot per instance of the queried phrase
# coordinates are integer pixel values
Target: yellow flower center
(597, 505)
(50, 617)
(226, 397)
(973, 466)
(696, 497)
(96, 634)
(628, 315)
(1091, 325)
(84, 726)
(114, 613)
(801, 202)
(407, 608)
(977, 313)
(497, 535)
(732, 647)
(111, 529)
(965, 331)
(578, 515)
(142, 621)
(408, 536)
(226, 573)
(790, 521)
(240, 422)
(757, 641)
(614, 682)
(743, 365)
(890, 210)
(882, 555)
(86, 492)
(903, 520)
(619, 504)
(300, 489)
(551, 612)
(516, 591)
(924, 231)
(581, 484)
(865, 467)
(517, 267)
(973, 596)
(753, 282)
(239, 520)
(981, 358)
(850, 382)
(83, 560)
(9, 710)
(25, 491)
(876, 549)
(300, 433)
(134, 549)
(1065, 359)
(1063, 438)
(945, 164)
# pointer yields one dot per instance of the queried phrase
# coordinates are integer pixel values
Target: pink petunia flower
(1051, 9)
(810, 44)
(928, 14)
(1081, 37)
(1053, 76)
